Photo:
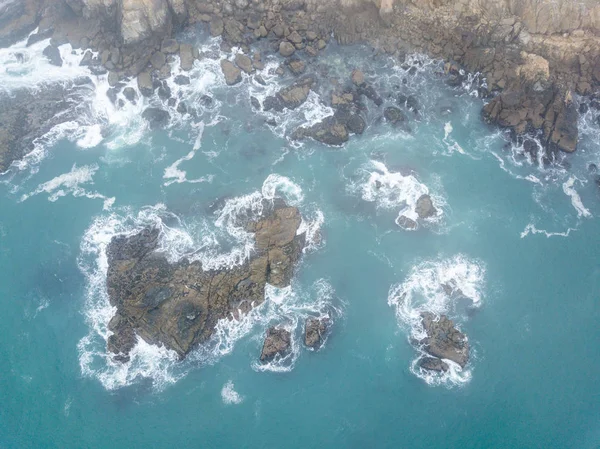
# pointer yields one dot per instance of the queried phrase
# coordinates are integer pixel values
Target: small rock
(286, 49)
(321, 44)
(113, 79)
(311, 35)
(260, 80)
(406, 223)
(255, 103)
(233, 75)
(295, 38)
(216, 27)
(314, 332)
(358, 77)
(87, 59)
(181, 108)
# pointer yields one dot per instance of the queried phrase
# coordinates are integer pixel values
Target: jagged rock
(244, 63)
(53, 54)
(145, 84)
(314, 332)
(394, 115)
(286, 49)
(369, 91)
(328, 131)
(233, 32)
(290, 97)
(277, 343)
(232, 74)
(424, 207)
(255, 103)
(156, 117)
(87, 59)
(433, 364)
(443, 340)
(179, 304)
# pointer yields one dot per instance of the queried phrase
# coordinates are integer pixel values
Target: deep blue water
(502, 233)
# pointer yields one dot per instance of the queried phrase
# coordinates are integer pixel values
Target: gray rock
(156, 117)
(216, 27)
(186, 55)
(443, 340)
(394, 115)
(181, 80)
(286, 49)
(290, 97)
(53, 54)
(158, 60)
(233, 75)
(424, 207)
(169, 46)
(145, 85)
(406, 223)
(113, 79)
(296, 66)
(244, 63)
(314, 332)
(130, 94)
(433, 364)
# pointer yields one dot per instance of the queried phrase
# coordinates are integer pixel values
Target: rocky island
(179, 304)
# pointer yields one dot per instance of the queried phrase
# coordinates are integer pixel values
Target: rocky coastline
(536, 56)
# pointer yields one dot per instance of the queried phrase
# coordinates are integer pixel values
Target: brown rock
(277, 344)
(233, 75)
(314, 332)
(244, 63)
(286, 49)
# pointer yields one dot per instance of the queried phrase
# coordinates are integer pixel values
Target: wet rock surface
(315, 331)
(290, 97)
(179, 304)
(444, 340)
(277, 343)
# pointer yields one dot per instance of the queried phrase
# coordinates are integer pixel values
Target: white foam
(71, 183)
(532, 229)
(393, 190)
(451, 145)
(423, 291)
(229, 395)
(575, 198)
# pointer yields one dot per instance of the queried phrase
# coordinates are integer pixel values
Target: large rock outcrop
(178, 305)
(443, 341)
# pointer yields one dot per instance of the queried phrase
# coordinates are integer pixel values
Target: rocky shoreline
(536, 57)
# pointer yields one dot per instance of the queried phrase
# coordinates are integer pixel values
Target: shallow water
(517, 238)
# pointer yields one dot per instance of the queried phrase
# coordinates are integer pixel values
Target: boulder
(358, 77)
(158, 59)
(424, 207)
(444, 340)
(169, 46)
(130, 94)
(186, 55)
(53, 55)
(181, 80)
(156, 117)
(232, 74)
(216, 26)
(296, 66)
(328, 131)
(314, 332)
(286, 49)
(145, 84)
(277, 343)
(406, 223)
(244, 63)
(179, 304)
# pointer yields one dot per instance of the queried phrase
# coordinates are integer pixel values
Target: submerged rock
(444, 340)
(314, 332)
(433, 364)
(394, 115)
(277, 343)
(328, 131)
(179, 304)
(406, 223)
(156, 117)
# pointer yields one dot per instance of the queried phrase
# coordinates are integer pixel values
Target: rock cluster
(179, 304)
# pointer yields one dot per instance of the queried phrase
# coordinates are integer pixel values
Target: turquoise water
(522, 239)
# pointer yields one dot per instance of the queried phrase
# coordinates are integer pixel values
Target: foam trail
(531, 229)
(229, 395)
(575, 198)
(434, 286)
(70, 183)
(174, 175)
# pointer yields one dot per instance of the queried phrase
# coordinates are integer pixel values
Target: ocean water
(518, 238)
